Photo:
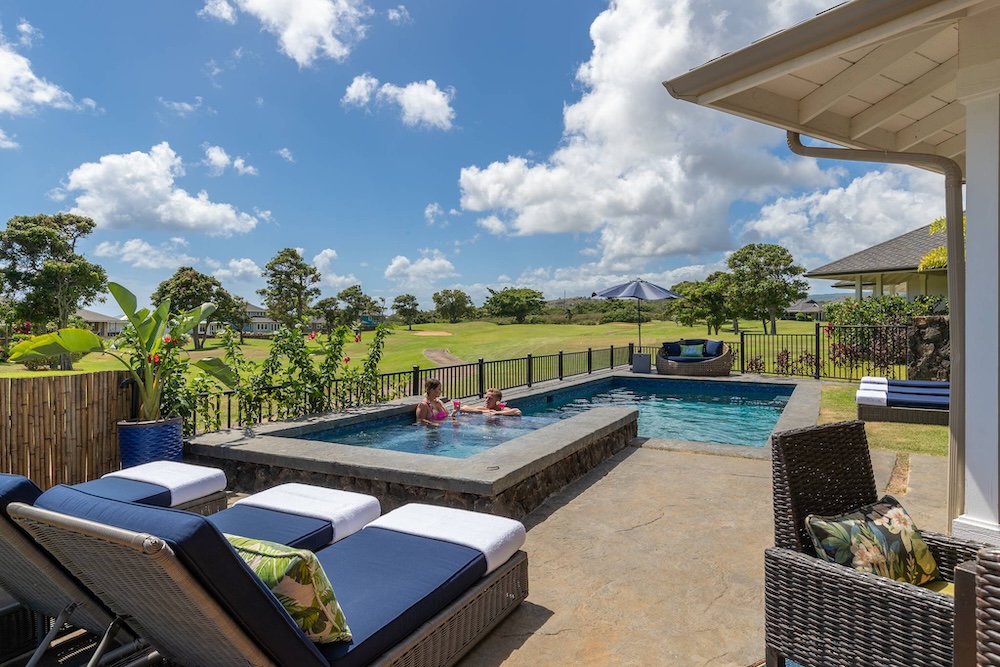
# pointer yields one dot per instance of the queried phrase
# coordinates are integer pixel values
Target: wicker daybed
(721, 364)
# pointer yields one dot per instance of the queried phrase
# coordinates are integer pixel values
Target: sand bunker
(431, 333)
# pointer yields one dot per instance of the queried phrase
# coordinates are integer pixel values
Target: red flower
(167, 340)
(357, 338)
(347, 360)
(153, 358)
(312, 335)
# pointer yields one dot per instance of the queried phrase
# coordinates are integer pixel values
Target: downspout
(956, 290)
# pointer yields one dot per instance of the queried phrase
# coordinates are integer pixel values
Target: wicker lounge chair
(712, 366)
(904, 401)
(193, 599)
(988, 607)
(820, 613)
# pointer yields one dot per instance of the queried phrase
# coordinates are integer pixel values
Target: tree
(453, 304)
(42, 271)
(516, 302)
(235, 313)
(189, 288)
(764, 281)
(356, 303)
(329, 310)
(407, 308)
(938, 257)
(289, 292)
(708, 300)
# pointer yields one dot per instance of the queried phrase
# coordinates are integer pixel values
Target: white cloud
(361, 90)
(7, 142)
(306, 29)
(648, 175)
(137, 190)
(398, 15)
(259, 101)
(324, 264)
(244, 169)
(286, 154)
(21, 91)
(216, 159)
(421, 103)
(821, 226)
(240, 270)
(433, 214)
(432, 267)
(28, 34)
(182, 109)
(141, 255)
(218, 9)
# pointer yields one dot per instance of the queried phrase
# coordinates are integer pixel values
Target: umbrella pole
(638, 310)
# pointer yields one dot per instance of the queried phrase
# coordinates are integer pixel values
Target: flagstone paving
(656, 558)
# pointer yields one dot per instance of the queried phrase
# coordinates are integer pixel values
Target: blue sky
(415, 147)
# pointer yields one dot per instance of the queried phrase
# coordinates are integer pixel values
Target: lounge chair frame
(139, 577)
(821, 613)
(879, 413)
(715, 366)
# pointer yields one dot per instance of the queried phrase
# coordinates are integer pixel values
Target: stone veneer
(540, 463)
(929, 355)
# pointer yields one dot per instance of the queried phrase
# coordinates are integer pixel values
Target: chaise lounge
(697, 357)
(903, 401)
(420, 586)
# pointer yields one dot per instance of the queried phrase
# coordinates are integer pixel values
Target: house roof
(867, 74)
(805, 306)
(902, 253)
(91, 316)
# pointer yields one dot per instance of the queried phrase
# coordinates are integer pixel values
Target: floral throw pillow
(879, 538)
(297, 579)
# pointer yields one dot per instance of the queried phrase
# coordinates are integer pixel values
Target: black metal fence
(832, 352)
(841, 352)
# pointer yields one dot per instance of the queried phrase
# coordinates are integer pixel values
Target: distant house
(261, 323)
(813, 309)
(102, 325)
(890, 268)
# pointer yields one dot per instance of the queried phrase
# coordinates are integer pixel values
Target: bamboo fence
(61, 429)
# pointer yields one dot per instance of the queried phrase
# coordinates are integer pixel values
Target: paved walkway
(656, 558)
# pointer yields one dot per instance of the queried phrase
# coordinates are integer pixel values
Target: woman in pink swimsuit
(431, 410)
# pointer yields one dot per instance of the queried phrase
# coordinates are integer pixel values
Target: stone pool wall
(514, 491)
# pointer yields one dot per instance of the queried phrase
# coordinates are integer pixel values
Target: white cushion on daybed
(870, 379)
(346, 510)
(186, 482)
(497, 537)
(869, 397)
(874, 387)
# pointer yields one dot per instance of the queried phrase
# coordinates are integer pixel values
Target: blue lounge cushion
(389, 584)
(16, 489)
(686, 359)
(898, 400)
(930, 384)
(127, 490)
(210, 559)
(713, 348)
(299, 532)
(920, 391)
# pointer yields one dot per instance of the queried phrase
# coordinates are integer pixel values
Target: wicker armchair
(714, 366)
(819, 613)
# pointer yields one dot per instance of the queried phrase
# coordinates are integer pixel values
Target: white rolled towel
(497, 537)
(186, 482)
(349, 512)
(865, 386)
(867, 397)
(870, 379)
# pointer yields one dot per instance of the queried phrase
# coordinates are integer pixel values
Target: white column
(979, 90)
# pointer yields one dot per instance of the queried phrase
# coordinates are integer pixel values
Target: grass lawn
(838, 404)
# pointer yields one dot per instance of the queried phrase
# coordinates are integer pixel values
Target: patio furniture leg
(106, 640)
(56, 625)
(774, 659)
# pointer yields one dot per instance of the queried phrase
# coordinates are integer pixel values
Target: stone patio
(655, 557)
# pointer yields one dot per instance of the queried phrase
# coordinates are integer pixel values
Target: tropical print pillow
(692, 351)
(879, 538)
(297, 579)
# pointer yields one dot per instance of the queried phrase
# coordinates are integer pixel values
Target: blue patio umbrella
(638, 290)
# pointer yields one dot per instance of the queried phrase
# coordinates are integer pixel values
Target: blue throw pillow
(692, 351)
(713, 348)
(672, 349)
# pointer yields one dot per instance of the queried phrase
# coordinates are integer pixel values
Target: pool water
(734, 413)
(470, 434)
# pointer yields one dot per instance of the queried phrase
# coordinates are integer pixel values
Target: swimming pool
(467, 436)
(732, 413)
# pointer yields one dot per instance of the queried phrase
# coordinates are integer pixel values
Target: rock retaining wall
(929, 355)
